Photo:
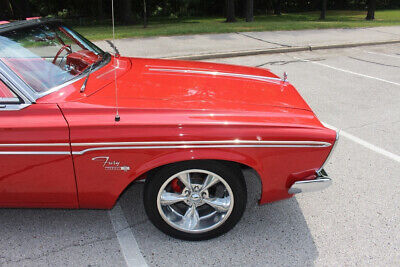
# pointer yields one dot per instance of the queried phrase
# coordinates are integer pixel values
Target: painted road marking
(350, 136)
(347, 71)
(127, 242)
(380, 54)
(365, 143)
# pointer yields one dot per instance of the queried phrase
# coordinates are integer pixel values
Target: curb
(277, 50)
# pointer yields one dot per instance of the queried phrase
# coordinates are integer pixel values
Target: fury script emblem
(111, 165)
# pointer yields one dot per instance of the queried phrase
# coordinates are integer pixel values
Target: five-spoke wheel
(195, 200)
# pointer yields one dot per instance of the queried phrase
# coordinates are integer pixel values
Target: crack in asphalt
(42, 255)
(262, 40)
(374, 62)
(360, 126)
(8, 260)
(285, 62)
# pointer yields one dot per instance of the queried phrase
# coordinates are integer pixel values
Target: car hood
(156, 83)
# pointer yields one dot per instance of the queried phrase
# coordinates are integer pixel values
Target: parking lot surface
(356, 221)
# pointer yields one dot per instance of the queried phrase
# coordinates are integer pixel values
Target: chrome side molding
(321, 182)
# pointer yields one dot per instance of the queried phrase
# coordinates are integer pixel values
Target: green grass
(292, 21)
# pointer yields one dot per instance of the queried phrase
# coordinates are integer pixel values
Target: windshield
(47, 55)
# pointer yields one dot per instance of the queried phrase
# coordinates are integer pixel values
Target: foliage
(99, 9)
(287, 21)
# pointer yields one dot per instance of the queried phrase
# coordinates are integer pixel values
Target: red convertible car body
(62, 147)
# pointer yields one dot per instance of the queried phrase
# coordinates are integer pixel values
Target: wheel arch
(235, 160)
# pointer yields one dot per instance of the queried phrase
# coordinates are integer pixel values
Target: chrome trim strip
(217, 73)
(13, 107)
(34, 144)
(35, 153)
(331, 152)
(16, 83)
(187, 147)
(162, 145)
(9, 100)
(309, 143)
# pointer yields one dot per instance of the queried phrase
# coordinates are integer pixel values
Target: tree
(270, 7)
(277, 7)
(21, 9)
(371, 10)
(5, 10)
(249, 10)
(230, 11)
(323, 9)
(144, 14)
(126, 12)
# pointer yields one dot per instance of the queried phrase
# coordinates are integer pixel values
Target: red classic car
(78, 126)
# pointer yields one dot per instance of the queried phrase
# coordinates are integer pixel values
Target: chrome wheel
(195, 201)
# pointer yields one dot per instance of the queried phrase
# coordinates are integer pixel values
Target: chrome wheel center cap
(195, 197)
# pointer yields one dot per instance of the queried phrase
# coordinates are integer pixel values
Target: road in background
(187, 46)
(356, 221)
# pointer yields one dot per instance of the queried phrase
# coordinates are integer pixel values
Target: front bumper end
(321, 182)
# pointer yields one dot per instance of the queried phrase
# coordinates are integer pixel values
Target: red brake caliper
(175, 186)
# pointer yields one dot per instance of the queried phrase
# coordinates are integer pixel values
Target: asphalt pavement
(207, 46)
(356, 221)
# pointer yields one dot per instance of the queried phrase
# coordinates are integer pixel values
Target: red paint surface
(36, 180)
(5, 91)
(158, 106)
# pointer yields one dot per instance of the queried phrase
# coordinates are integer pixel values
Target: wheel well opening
(251, 177)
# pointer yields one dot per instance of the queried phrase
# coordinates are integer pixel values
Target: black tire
(229, 172)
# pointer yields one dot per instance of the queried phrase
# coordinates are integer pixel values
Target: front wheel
(195, 200)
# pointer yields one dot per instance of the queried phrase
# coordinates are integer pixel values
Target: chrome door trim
(13, 107)
(34, 144)
(187, 147)
(164, 145)
(35, 153)
(214, 142)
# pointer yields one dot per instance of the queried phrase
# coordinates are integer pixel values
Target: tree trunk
(249, 10)
(270, 7)
(144, 14)
(5, 10)
(230, 11)
(126, 12)
(323, 9)
(371, 10)
(21, 9)
(277, 8)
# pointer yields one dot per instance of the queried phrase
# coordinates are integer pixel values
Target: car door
(36, 168)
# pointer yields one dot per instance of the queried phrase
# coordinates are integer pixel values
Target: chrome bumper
(321, 182)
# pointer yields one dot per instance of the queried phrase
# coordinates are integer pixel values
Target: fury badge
(111, 165)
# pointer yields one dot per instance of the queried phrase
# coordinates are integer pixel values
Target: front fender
(100, 188)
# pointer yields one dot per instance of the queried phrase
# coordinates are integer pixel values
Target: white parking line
(348, 71)
(380, 54)
(365, 143)
(127, 242)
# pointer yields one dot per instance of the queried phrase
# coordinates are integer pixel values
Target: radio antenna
(117, 118)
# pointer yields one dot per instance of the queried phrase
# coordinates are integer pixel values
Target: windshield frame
(34, 95)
